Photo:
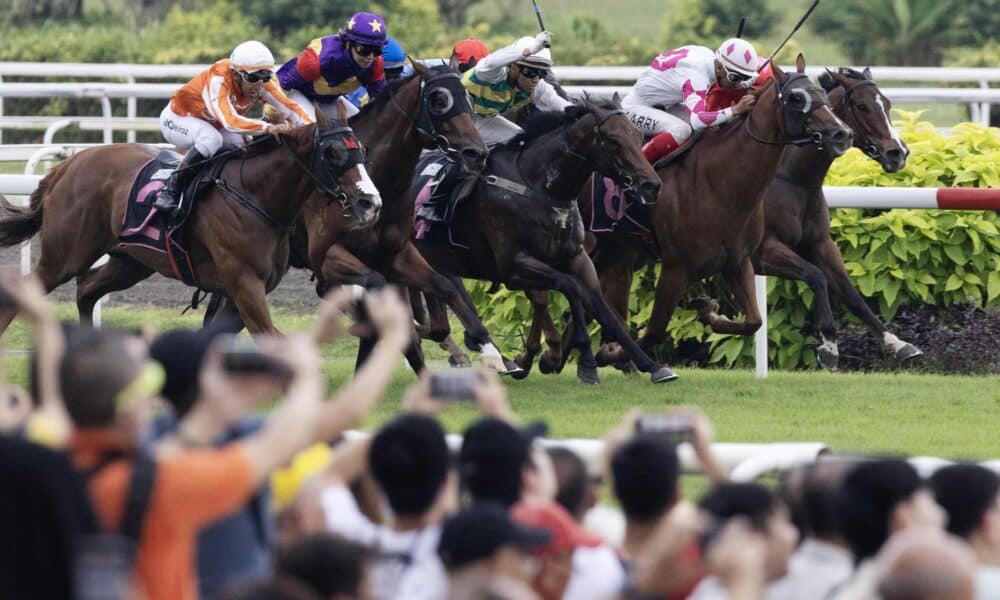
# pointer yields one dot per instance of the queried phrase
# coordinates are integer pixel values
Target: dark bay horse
(79, 208)
(797, 242)
(429, 109)
(709, 216)
(523, 228)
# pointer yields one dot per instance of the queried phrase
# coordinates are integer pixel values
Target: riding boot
(659, 147)
(167, 199)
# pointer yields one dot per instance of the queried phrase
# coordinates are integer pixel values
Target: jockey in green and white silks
(510, 78)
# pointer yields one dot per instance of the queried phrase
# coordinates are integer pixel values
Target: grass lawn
(902, 413)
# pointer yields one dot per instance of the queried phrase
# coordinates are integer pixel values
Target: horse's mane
(544, 121)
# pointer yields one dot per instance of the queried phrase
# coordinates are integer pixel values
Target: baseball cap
(479, 531)
(566, 534)
(470, 50)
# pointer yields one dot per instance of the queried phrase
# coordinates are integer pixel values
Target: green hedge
(938, 258)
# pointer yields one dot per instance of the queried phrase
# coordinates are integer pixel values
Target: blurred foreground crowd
(195, 464)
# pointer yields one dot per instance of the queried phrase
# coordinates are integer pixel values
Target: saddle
(149, 228)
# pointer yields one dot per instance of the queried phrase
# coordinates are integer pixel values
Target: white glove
(544, 39)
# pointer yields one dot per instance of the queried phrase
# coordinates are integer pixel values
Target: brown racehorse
(797, 242)
(709, 217)
(79, 209)
(429, 109)
(522, 225)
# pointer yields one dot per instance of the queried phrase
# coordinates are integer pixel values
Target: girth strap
(506, 184)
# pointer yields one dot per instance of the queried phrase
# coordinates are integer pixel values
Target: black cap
(478, 532)
(491, 442)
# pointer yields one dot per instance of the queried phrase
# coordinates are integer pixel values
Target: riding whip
(538, 13)
(739, 30)
(794, 30)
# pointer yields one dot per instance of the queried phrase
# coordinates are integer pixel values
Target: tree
(709, 22)
(895, 32)
(284, 16)
(455, 11)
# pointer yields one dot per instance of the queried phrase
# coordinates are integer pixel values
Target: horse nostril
(843, 136)
(473, 156)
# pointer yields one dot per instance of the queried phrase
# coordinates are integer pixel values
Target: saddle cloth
(611, 209)
(436, 195)
(149, 228)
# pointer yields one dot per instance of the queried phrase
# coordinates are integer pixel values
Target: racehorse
(709, 217)
(522, 227)
(431, 108)
(238, 230)
(797, 242)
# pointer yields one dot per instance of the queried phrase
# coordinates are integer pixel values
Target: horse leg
(119, 273)
(410, 268)
(438, 319)
(781, 261)
(551, 360)
(616, 284)
(221, 307)
(530, 273)
(670, 287)
(51, 273)
(741, 283)
(248, 292)
(828, 257)
(583, 270)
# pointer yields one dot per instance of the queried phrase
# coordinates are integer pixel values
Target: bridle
(813, 100)
(867, 146)
(426, 125)
(624, 180)
(326, 171)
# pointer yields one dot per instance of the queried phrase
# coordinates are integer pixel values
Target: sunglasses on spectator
(736, 77)
(367, 51)
(532, 73)
(256, 76)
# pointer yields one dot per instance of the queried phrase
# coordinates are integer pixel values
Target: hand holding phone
(675, 427)
(242, 356)
(456, 384)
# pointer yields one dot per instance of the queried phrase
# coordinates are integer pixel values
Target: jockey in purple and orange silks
(669, 100)
(335, 65)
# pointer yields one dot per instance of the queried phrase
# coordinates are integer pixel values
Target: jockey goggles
(532, 72)
(735, 77)
(256, 76)
(367, 51)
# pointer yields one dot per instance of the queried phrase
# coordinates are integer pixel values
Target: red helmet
(468, 52)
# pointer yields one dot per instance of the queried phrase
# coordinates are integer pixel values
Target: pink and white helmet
(738, 55)
(252, 56)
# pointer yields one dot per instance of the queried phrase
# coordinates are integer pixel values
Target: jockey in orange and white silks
(669, 100)
(209, 110)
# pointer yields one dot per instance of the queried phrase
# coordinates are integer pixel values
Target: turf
(872, 413)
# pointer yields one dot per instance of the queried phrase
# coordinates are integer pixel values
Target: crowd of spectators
(198, 464)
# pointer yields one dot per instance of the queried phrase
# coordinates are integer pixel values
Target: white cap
(251, 56)
(738, 55)
(542, 58)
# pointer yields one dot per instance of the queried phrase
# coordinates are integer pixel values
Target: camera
(676, 428)
(242, 356)
(455, 385)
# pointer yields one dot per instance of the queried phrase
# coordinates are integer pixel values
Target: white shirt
(413, 569)
(987, 583)
(598, 574)
(681, 77)
(815, 569)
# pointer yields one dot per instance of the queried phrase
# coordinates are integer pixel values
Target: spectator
(333, 567)
(277, 589)
(970, 494)
(482, 542)
(576, 490)
(765, 515)
(822, 561)
(924, 563)
(876, 499)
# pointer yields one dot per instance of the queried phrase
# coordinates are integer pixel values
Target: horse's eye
(863, 108)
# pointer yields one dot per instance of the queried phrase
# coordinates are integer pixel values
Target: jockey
(336, 65)
(668, 100)
(510, 78)
(208, 112)
(394, 65)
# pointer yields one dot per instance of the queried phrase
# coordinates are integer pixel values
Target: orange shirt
(191, 490)
(216, 96)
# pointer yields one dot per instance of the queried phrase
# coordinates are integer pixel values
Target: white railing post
(130, 111)
(984, 107)
(760, 338)
(106, 110)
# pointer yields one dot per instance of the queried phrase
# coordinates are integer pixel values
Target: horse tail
(18, 224)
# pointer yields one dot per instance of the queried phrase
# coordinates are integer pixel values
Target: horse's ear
(779, 74)
(800, 63)
(321, 121)
(867, 73)
(419, 68)
(453, 63)
(828, 80)
(616, 100)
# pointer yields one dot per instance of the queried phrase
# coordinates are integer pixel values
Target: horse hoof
(704, 306)
(908, 352)
(663, 375)
(609, 354)
(548, 364)
(588, 375)
(827, 356)
(513, 369)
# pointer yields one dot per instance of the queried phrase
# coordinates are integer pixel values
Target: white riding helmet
(252, 56)
(738, 55)
(542, 58)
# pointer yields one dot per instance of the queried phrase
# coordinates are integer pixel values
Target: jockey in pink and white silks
(668, 101)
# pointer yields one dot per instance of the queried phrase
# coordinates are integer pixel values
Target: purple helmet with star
(365, 28)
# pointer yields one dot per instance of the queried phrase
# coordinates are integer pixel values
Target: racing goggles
(532, 72)
(367, 51)
(256, 76)
(735, 77)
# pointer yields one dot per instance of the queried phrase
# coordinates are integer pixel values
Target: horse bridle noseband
(868, 147)
(426, 124)
(811, 106)
(326, 176)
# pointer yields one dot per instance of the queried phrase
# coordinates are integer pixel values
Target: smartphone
(457, 384)
(243, 356)
(676, 428)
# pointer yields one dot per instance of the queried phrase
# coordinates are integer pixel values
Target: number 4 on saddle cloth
(146, 226)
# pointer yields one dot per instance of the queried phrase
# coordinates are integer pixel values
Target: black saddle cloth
(611, 210)
(436, 192)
